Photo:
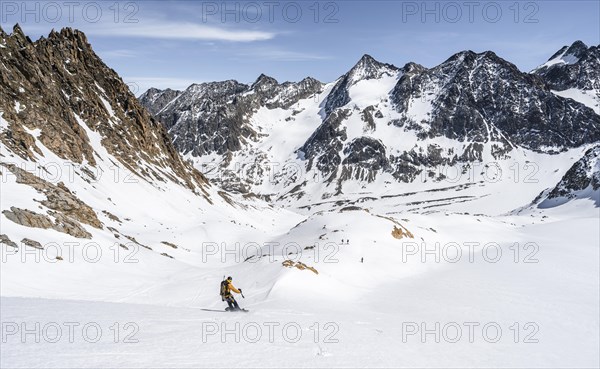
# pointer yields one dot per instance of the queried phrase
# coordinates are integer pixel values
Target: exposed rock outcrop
(57, 85)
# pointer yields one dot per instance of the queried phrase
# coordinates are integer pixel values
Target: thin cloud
(180, 31)
(119, 53)
(280, 55)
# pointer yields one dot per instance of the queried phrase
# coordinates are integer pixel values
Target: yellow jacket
(231, 287)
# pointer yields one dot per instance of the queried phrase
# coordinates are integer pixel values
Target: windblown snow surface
(530, 300)
(402, 275)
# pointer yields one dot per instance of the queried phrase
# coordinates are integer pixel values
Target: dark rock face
(575, 66)
(483, 97)
(368, 117)
(155, 100)
(583, 174)
(289, 93)
(58, 197)
(207, 118)
(365, 157)
(213, 117)
(58, 79)
(323, 148)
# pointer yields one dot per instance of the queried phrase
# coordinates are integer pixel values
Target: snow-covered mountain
(81, 159)
(375, 127)
(213, 117)
(83, 163)
(574, 72)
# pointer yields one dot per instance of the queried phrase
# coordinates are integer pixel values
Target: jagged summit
(64, 35)
(369, 68)
(367, 60)
(264, 82)
(263, 78)
(309, 80)
(214, 88)
(214, 116)
(575, 69)
(60, 84)
(17, 30)
(18, 36)
(412, 67)
(359, 130)
(576, 50)
(471, 58)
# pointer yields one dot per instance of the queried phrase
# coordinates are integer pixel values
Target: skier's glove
(240, 290)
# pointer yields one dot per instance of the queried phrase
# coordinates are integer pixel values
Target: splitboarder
(226, 288)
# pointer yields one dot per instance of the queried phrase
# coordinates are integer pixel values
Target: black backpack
(224, 288)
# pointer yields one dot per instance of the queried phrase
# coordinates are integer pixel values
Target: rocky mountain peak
(369, 68)
(573, 67)
(310, 81)
(69, 33)
(17, 37)
(59, 87)
(366, 61)
(18, 31)
(155, 100)
(577, 49)
(214, 89)
(412, 67)
(462, 100)
(153, 91)
(567, 55)
(264, 82)
(470, 60)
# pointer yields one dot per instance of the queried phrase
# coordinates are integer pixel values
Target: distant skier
(226, 288)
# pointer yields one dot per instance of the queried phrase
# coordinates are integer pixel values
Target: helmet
(229, 278)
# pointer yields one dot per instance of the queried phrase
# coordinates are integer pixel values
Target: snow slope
(373, 319)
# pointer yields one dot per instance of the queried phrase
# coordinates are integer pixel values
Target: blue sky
(176, 43)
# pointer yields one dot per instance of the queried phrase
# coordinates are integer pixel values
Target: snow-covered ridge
(85, 162)
(374, 127)
(566, 55)
(574, 72)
